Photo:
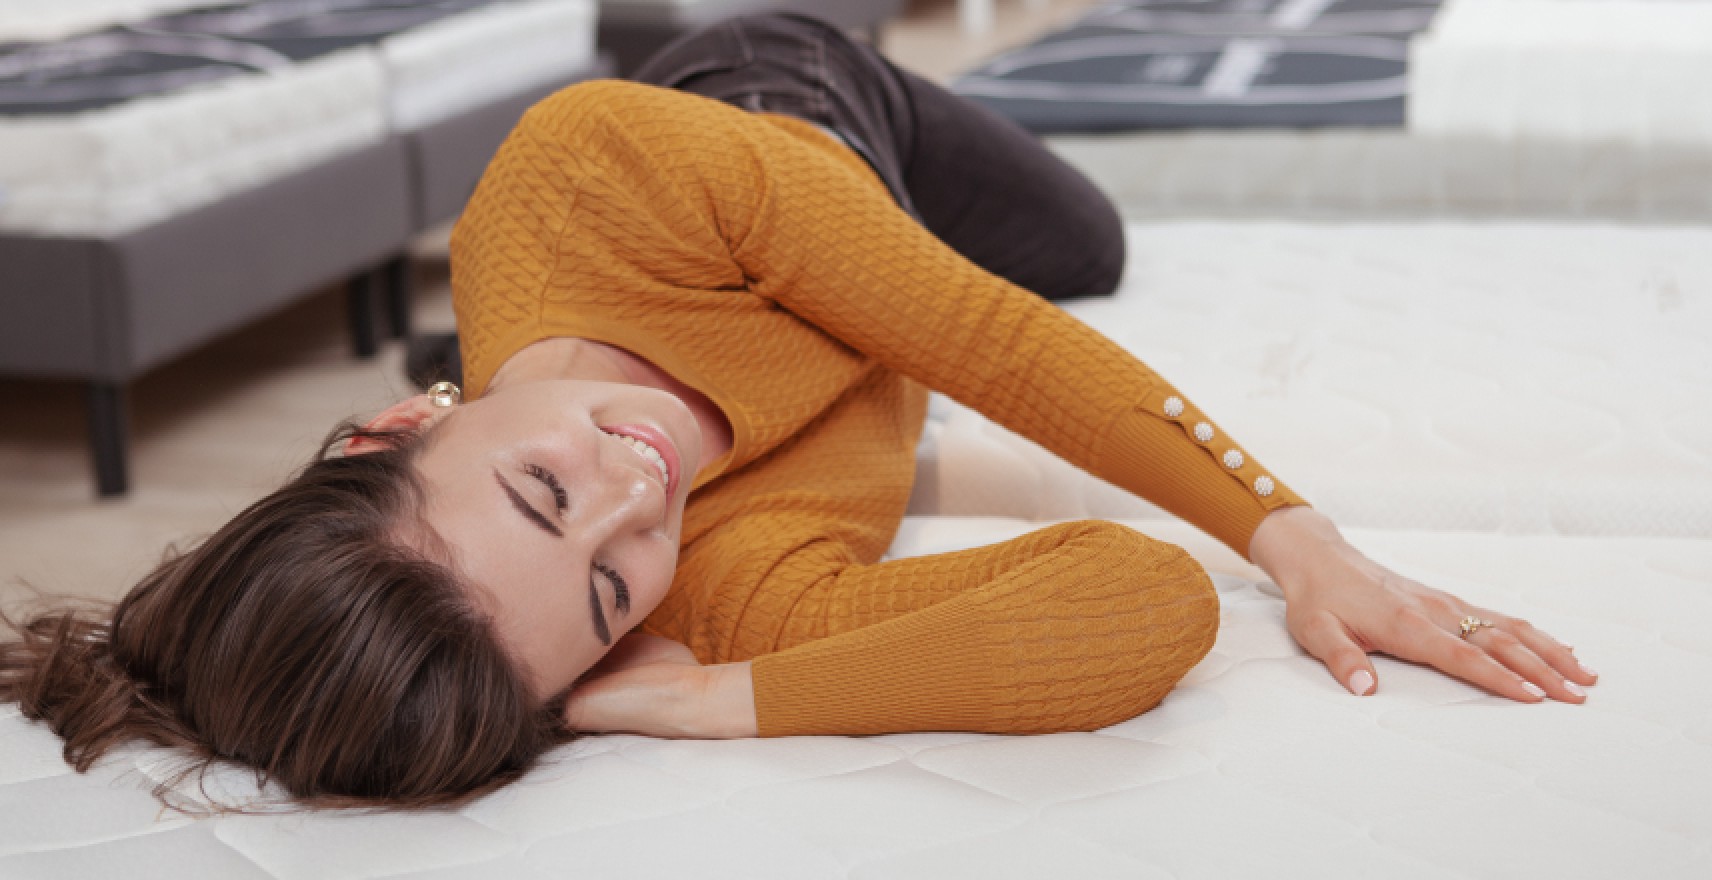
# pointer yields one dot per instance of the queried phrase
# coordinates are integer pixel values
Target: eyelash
(621, 590)
(546, 476)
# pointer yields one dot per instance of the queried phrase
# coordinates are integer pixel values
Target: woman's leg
(978, 181)
(992, 191)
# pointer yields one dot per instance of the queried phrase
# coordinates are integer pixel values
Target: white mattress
(1587, 70)
(1258, 764)
(1390, 173)
(1413, 359)
(32, 20)
(456, 64)
(110, 171)
(1516, 379)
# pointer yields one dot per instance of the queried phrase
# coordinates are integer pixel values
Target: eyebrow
(530, 513)
(600, 629)
(524, 508)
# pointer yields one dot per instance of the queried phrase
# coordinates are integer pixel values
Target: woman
(700, 316)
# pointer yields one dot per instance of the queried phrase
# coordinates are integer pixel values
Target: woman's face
(566, 532)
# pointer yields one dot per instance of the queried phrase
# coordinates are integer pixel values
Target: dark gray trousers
(981, 183)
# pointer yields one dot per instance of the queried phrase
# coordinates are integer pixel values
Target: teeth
(649, 453)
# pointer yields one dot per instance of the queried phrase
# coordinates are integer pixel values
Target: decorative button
(1203, 432)
(1233, 458)
(1174, 406)
(1263, 486)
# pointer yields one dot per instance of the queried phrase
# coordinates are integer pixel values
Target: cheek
(661, 586)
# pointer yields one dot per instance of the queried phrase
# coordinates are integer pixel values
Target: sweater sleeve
(835, 250)
(1075, 626)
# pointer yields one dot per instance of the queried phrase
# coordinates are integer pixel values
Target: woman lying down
(700, 317)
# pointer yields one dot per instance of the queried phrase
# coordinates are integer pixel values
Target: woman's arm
(654, 686)
(831, 247)
(688, 183)
(730, 701)
(1072, 627)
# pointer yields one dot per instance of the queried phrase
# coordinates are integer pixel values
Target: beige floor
(215, 430)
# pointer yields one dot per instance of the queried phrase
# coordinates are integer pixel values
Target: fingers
(1537, 657)
(1494, 658)
(1423, 641)
(1559, 656)
(1521, 660)
(1324, 636)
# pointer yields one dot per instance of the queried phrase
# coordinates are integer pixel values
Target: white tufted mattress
(108, 171)
(85, 174)
(459, 63)
(29, 20)
(1511, 378)
(1259, 763)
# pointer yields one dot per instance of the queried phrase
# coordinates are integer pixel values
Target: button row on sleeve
(1233, 458)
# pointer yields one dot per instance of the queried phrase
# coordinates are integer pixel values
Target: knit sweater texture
(763, 263)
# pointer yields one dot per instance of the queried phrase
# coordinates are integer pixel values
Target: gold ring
(445, 394)
(1472, 623)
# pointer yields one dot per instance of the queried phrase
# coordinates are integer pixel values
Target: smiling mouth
(649, 454)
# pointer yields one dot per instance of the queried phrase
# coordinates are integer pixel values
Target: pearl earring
(445, 394)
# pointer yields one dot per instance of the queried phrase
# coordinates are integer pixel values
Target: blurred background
(221, 225)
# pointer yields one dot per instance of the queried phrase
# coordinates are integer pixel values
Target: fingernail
(1361, 682)
(1587, 669)
(1532, 688)
(1573, 688)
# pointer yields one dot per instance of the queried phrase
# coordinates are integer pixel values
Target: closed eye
(620, 589)
(547, 477)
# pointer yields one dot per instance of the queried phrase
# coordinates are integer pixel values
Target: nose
(624, 492)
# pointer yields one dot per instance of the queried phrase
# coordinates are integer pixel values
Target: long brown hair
(304, 640)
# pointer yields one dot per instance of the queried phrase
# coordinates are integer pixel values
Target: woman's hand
(655, 686)
(1340, 606)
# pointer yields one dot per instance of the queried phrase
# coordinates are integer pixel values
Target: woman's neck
(572, 357)
(568, 357)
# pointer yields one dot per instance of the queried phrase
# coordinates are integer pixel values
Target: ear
(409, 414)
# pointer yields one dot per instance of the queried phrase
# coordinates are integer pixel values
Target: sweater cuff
(1183, 463)
(916, 672)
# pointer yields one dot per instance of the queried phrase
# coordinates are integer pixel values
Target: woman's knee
(1105, 250)
(1171, 588)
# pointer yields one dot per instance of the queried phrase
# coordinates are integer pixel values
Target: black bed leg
(397, 287)
(107, 442)
(360, 310)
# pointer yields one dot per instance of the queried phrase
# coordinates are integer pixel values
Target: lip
(656, 438)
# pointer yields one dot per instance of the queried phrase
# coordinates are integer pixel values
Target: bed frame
(107, 310)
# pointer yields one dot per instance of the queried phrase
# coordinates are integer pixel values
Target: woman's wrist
(727, 705)
(1291, 541)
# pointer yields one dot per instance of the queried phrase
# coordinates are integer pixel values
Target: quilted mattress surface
(1144, 64)
(31, 20)
(1507, 378)
(1257, 764)
(222, 120)
(1394, 376)
(143, 121)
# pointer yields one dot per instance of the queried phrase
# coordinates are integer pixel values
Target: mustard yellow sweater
(763, 263)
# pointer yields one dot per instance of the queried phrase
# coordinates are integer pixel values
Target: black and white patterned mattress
(1211, 63)
(112, 129)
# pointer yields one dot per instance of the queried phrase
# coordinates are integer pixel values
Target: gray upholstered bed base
(107, 310)
(447, 158)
